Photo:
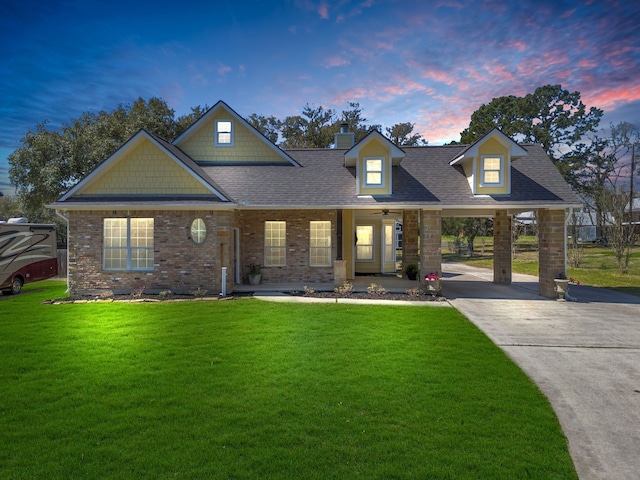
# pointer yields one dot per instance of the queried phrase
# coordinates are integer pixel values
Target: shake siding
(146, 170)
(246, 145)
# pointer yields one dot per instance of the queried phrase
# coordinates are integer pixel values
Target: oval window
(198, 230)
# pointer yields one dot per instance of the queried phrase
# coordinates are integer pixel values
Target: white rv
(28, 253)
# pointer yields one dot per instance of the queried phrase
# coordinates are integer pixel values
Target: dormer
(487, 163)
(373, 158)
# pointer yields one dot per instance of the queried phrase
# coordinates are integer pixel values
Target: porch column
(430, 242)
(410, 237)
(502, 248)
(551, 248)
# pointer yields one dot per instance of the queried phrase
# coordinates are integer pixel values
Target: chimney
(344, 139)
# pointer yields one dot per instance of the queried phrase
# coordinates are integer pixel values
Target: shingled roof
(423, 179)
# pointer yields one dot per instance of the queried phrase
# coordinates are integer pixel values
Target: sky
(432, 63)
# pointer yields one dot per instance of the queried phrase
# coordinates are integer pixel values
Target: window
(128, 244)
(491, 175)
(224, 133)
(364, 242)
(275, 239)
(389, 250)
(320, 244)
(198, 231)
(373, 171)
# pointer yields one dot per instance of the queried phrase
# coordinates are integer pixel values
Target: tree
(619, 232)
(313, 129)
(401, 134)
(467, 228)
(268, 126)
(596, 166)
(550, 116)
(9, 208)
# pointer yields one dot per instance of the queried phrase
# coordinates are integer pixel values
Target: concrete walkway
(584, 356)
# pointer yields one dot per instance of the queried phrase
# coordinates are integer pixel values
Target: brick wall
(410, 228)
(551, 244)
(502, 248)
(180, 265)
(430, 242)
(297, 232)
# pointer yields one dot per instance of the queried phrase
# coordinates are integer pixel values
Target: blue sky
(432, 63)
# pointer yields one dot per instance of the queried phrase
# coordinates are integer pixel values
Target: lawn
(252, 389)
(598, 267)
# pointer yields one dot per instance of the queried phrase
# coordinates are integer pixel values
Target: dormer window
(373, 172)
(224, 133)
(491, 174)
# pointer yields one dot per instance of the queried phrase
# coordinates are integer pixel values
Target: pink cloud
(223, 69)
(335, 61)
(568, 13)
(610, 99)
(587, 63)
(323, 11)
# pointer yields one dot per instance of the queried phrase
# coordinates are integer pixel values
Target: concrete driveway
(584, 356)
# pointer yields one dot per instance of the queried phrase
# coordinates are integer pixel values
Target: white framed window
(198, 231)
(275, 244)
(491, 171)
(320, 244)
(224, 133)
(373, 172)
(128, 244)
(364, 243)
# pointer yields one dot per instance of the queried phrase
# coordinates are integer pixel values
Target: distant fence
(62, 262)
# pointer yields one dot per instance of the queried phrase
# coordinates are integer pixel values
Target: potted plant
(562, 286)
(433, 283)
(255, 275)
(411, 271)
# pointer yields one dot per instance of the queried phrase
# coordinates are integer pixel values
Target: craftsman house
(160, 215)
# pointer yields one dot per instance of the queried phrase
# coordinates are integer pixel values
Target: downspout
(62, 214)
(568, 215)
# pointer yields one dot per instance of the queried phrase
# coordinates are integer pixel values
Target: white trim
(373, 244)
(284, 246)
(501, 171)
(383, 176)
(323, 248)
(217, 133)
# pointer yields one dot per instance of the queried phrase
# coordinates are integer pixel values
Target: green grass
(252, 389)
(598, 267)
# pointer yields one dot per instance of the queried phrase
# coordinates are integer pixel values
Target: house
(161, 215)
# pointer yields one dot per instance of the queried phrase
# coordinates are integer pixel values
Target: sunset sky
(432, 63)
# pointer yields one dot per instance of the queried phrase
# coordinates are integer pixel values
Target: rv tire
(16, 286)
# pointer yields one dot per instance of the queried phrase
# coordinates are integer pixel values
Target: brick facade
(180, 265)
(410, 229)
(502, 253)
(297, 231)
(430, 242)
(551, 245)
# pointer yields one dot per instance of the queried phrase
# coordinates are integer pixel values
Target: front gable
(222, 137)
(373, 158)
(144, 167)
(487, 163)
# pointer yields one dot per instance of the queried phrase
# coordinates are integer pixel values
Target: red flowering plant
(572, 281)
(432, 276)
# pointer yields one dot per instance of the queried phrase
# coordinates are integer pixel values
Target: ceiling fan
(386, 212)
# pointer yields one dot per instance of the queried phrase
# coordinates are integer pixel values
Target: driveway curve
(583, 355)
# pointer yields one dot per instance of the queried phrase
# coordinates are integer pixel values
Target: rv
(28, 253)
